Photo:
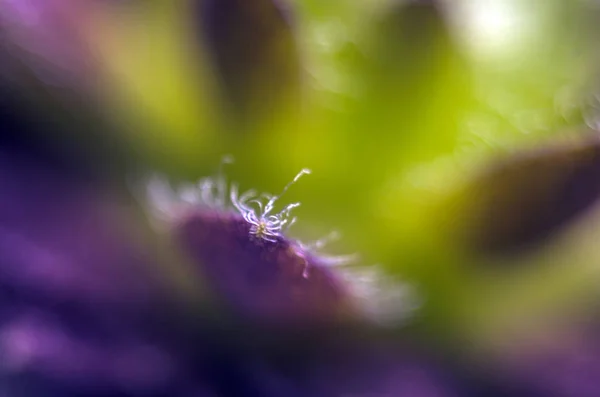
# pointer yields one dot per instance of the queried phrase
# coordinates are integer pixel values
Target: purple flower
(90, 306)
(276, 281)
(87, 309)
(239, 244)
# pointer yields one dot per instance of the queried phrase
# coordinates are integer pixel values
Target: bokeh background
(453, 143)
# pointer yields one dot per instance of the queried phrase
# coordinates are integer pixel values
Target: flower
(220, 299)
(242, 249)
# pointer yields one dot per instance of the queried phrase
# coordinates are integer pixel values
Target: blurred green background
(401, 104)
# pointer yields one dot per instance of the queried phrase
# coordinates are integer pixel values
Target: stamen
(215, 192)
(264, 225)
(221, 182)
(269, 206)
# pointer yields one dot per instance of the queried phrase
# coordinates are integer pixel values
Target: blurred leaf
(524, 200)
(415, 86)
(254, 53)
(155, 84)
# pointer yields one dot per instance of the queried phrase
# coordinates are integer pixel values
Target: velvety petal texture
(269, 281)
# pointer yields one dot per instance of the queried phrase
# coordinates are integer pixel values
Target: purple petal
(381, 370)
(86, 312)
(82, 305)
(66, 239)
(556, 364)
(38, 344)
(276, 282)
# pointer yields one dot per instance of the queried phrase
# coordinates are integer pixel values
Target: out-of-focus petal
(63, 237)
(562, 362)
(380, 369)
(46, 36)
(254, 53)
(526, 199)
(83, 306)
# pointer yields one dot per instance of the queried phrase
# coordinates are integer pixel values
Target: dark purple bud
(254, 53)
(277, 282)
(524, 200)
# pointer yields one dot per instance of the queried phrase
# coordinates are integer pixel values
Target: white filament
(264, 224)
